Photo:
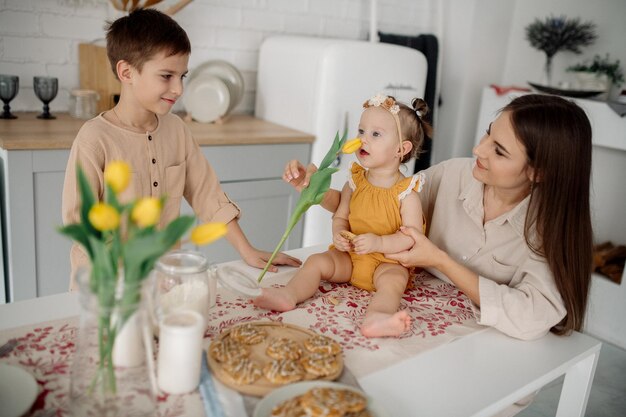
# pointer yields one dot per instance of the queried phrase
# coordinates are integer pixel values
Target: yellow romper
(375, 210)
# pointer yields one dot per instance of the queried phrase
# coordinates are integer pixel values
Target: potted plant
(598, 73)
(555, 34)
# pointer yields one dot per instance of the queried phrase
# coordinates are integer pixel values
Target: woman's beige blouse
(518, 295)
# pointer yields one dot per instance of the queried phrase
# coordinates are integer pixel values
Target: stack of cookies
(324, 401)
(275, 355)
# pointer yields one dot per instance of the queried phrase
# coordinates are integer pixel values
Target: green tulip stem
(312, 194)
(293, 220)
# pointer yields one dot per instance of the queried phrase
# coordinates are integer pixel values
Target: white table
(483, 373)
(475, 375)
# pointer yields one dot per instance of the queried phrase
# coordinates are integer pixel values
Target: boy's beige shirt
(518, 294)
(166, 162)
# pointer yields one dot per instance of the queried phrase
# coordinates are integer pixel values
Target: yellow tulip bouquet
(123, 243)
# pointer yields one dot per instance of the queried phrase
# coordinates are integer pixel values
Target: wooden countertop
(29, 133)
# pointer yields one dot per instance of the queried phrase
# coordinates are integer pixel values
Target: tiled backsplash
(40, 37)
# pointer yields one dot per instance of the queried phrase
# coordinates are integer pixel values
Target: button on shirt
(518, 295)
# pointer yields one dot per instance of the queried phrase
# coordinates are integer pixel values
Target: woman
(512, 227)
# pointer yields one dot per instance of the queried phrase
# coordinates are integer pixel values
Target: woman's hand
(341, 243)
(297, 175)
(367, 243)
(424, 253)
(258, 259)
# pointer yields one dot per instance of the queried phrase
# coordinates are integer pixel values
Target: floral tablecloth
(439, 311)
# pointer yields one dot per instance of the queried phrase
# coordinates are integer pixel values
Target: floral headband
(389, 104)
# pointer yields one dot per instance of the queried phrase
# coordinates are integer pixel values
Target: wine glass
(46, 89)
(9, 85)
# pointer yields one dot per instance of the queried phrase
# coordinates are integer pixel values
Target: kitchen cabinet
(247, 154)
(2, 287)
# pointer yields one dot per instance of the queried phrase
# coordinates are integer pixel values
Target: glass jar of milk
(183, 279)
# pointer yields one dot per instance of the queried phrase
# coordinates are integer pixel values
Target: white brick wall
(41, 37)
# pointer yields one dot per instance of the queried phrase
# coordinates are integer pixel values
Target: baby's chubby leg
(382, 318)
(332, 265)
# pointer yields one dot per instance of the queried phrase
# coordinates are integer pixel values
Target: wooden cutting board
(95, 74)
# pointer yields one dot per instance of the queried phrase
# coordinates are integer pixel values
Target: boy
(149, 53)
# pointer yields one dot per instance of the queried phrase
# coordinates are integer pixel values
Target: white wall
(607, 300)
(473, 43)
(483, 42)
(523, 63)
(40, 37)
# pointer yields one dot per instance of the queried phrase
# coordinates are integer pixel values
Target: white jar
(183, 279)
(83, 104)
(180, 351)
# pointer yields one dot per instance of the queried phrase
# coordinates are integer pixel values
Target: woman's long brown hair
(557, 136)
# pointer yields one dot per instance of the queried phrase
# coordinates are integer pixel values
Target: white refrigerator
(318, 86)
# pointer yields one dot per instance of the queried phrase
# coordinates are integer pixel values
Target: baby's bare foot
(277, 299)
(384, 325)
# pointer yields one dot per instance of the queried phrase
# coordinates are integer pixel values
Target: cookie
(228, 350)
(362, 413)
(244, 371)
(248, 334)
(349, 236)
(284, 371)
(289, 408)
(322, 344)
(320, 364)
(353, 402)
(283, 348)
(323, 402)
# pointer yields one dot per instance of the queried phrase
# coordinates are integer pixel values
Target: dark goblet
(9, 85)
(46, 89)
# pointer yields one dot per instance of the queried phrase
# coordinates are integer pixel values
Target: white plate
(207, 98)
(18, 390)
(264, 407)
(227, 73)
(238, 281)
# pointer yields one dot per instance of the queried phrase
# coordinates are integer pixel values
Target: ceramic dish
(227, 73)
(265, 406)
(207, 98)
(238, 281)
(274, 330)
(566, 93)
(18, 390)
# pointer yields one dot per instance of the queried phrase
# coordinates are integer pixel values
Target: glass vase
(547, 71)
(111, 372)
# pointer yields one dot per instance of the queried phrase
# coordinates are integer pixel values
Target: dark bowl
(566, 93)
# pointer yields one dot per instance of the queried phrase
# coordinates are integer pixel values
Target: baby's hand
(342, 241)
(297, 175)
(367, 243)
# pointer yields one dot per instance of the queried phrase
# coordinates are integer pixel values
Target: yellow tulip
(117, 175)
(351, 146)
(146, 212)
(104, 217)
(207, 233)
